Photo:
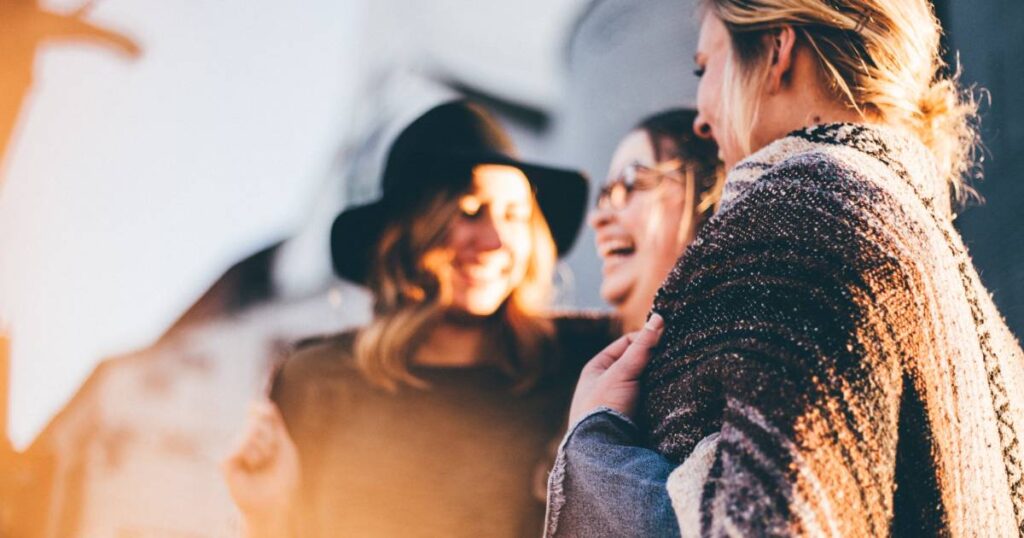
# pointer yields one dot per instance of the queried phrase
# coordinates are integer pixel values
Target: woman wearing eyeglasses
(663, 184)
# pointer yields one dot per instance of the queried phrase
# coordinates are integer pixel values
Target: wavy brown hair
(411, 296)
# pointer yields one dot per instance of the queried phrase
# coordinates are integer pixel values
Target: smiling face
(640, 241)
(490, 241)
(714, 49)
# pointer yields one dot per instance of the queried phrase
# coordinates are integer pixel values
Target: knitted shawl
(829, 340)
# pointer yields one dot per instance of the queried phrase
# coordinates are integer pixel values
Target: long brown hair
(881, 56)
(410, 299)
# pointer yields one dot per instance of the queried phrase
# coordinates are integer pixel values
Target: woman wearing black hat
(435, 419)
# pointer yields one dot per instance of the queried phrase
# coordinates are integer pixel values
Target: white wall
(132, 184)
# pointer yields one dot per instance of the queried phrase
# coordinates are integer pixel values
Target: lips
(482, 273)
(619, 247)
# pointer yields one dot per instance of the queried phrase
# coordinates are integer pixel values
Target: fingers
(260, 440)
(607, 356)
(636, 356)
(262, 445)
(648, 336)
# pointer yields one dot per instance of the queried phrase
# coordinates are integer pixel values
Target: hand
(612, 378)
(262, 472)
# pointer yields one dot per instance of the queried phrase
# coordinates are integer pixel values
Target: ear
(783, 45)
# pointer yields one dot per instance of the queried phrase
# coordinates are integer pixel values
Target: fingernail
(654, 323)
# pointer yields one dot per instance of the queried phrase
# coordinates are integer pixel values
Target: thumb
(638, 354)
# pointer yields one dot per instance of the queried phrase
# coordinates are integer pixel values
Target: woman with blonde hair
(824, 360)
(435, 419)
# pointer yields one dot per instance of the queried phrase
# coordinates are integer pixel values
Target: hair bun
(945, 122)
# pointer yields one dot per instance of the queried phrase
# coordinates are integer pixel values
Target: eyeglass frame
(627, 182)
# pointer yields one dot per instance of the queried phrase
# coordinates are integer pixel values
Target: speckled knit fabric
(829, 324)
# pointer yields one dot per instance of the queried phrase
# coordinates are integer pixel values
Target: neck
(827, 111)
(813, 112)
(453, 343)
(803, 100)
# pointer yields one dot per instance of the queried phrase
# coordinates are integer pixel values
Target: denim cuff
(605, 414)
(602, 425)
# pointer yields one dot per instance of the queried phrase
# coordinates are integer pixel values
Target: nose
(600, 216)
(701, 127)
(488, 236)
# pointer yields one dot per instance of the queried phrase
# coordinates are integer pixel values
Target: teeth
(616, 247)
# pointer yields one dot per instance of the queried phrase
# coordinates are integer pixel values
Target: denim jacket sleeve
(605, 484)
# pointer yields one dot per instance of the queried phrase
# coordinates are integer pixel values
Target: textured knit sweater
(829, 340)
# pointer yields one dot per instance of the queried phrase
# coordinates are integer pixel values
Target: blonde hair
(881, 56)
(411, 294)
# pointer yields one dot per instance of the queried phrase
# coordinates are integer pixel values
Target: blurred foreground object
(135, 452)
(5, 385)
(23, 479)
(26, 27)
(7, 455)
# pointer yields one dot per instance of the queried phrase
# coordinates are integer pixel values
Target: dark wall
(989, 36)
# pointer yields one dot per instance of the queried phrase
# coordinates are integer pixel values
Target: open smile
(616, 248)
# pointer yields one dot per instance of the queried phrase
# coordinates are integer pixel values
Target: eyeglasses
(616, 193)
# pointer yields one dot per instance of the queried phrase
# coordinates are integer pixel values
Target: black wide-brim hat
(437, 153)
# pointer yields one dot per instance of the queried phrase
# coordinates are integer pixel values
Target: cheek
(672, 215)
(634, 216)
(521, 247)
(704, 108)
(709, 97)
(518, 243)
(458, 236)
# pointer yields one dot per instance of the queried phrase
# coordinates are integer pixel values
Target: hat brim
(354, 236)
(561, 196)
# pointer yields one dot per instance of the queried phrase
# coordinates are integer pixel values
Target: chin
(481, 312)
(615, 289)
(482, 306)
(614, 297)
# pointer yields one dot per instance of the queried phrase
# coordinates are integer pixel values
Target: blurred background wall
(171, 170)
(988, 37)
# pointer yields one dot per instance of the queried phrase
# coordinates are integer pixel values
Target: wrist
(612, 403)
(604, 412)
(602, 426)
